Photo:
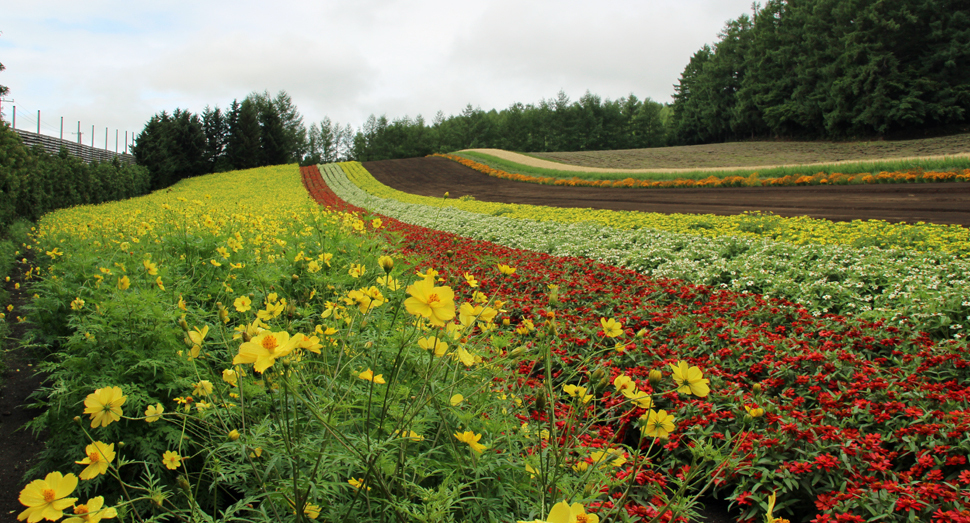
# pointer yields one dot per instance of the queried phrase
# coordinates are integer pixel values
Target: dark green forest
(829, 69)
(34, 182)
(792, 69)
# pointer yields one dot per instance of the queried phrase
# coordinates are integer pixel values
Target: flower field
(753, 180)
(813, 262)
(229, 350)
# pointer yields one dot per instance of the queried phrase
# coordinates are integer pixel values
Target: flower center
(433, 299)
(269, 343)
(94, 457)
(49, 495)
(81, 509)
(581, 518)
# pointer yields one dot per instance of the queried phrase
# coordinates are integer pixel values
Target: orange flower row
(821, 178)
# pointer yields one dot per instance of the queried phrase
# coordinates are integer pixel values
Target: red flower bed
(860, 419)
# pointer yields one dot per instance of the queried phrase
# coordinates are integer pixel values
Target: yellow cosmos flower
(171, 460)
(469, 313)
(411, 435)
(562, 512)
(198, 335)
(161, 287)
(77, 304)
(456, 400)
(202, 388)
(312, 511)
(658, 424)
(756, 412)
(624, 384)
(577, 391)
(611, 327)
(613, 457)
(150, 267)
(104, 406)
(154, 412)
(505, 269)
(471, 439)
(389, 282)
(369, 376)
(229, 376)
(92, 512)
(243, 303)
(466, 358)
(641, 399)
(690, 380)
(470, 280)
(100, 455)
(357, 483)
(47, 498)
(272, 310)
(356, 270)
(124, 283)
(437, 304)
(439, 347)
(264, 349)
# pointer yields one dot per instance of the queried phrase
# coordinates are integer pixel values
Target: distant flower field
(230, 350)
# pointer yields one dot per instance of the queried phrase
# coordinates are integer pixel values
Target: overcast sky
(114, 64)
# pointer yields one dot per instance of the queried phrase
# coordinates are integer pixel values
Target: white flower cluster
(928, 288)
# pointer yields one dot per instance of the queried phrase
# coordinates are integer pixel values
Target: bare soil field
(946, 203)
(756, 154)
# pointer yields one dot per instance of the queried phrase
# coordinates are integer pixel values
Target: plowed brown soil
(946, 203)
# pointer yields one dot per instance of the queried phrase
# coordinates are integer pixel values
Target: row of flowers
(803, 230)
(753, 180)
(242, 353)
(841, 417)
(928, 289)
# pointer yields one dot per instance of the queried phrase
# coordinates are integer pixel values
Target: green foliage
(259, 131)
(34, 182)
(587, 124)
(828, 69)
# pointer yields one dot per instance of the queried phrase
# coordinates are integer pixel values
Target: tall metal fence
(85, 152)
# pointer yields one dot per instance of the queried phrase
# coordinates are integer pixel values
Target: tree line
(34, 182)
(264, 130)
(829, 69)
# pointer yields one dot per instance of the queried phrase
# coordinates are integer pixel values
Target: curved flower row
(856, 418)
(929, 289)
(820, 178)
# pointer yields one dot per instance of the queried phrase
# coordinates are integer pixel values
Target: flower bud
(541, 402)
(233, 435)
(295, 278)
(597, 374)
(77, 419)
(655, 376)
(386, 263)
(756, 388)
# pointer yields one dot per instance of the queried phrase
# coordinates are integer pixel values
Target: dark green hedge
(34, 182)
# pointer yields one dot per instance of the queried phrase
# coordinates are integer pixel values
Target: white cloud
(115, 64)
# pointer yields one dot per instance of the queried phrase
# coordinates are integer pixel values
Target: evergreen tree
(243, 146)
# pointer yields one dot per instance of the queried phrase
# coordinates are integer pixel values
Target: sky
(112, 64)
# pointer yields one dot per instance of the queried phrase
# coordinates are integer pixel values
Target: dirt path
(608, 156)
(947, 203)
(18, 381)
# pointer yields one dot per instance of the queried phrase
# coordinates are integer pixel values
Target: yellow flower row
(820, 178)
(923, 237)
